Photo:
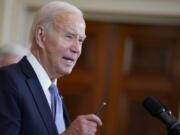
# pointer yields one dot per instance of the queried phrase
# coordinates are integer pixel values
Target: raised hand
(84, 125)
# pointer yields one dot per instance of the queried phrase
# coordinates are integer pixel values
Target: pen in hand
(100, 109)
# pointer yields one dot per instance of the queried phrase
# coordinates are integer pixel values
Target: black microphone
(160, 111)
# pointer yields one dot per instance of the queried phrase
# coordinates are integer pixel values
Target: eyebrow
(73, 34)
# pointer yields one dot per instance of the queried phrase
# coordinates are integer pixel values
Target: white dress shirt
(42, 77)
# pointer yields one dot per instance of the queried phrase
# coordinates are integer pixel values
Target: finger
(94, 118)
(92, 128)
(90, 125)
(92, 131)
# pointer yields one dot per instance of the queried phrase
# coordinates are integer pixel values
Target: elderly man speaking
(30, 103)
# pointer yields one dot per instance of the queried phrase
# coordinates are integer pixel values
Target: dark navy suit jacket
(24, 109)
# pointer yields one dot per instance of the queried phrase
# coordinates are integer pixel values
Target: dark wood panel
(143, 65)
(84, 90)
(122, 64)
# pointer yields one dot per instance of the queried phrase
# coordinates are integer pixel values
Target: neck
(36, 54)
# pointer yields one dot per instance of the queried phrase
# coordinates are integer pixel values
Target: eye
(69, 37)
(81, 41)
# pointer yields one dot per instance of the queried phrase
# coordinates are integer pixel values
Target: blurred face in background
(8, 59)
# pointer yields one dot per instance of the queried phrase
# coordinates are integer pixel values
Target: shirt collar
(40, 72)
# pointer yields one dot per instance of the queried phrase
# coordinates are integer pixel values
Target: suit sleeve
(10, 115)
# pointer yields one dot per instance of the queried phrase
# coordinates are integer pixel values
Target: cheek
(80, 52)
(56, 48)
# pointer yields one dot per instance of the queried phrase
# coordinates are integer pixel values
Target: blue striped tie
(56, 108)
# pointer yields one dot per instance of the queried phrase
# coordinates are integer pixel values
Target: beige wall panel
(19, 16)
(1, 18)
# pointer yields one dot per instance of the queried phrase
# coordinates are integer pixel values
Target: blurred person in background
(11, 53)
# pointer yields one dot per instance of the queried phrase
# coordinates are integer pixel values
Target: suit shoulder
(9, 70)
(10, 75)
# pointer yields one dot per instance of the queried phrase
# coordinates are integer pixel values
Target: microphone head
(153, 106)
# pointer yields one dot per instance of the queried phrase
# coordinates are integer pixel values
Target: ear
(40, 36)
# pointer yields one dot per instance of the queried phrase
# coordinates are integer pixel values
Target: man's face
(63, 44)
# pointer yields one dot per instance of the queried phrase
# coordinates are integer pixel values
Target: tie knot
(53, 89)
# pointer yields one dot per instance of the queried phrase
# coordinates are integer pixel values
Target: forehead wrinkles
(69, 21)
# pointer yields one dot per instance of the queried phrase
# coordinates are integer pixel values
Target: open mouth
(68, 59)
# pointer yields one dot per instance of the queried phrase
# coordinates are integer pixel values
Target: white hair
(48, 12)
(13, 49)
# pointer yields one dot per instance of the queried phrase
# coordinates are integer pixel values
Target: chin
(67, 71)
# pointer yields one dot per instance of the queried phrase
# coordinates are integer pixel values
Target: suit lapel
(66, 116)
(39, 97)
(42, 105)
